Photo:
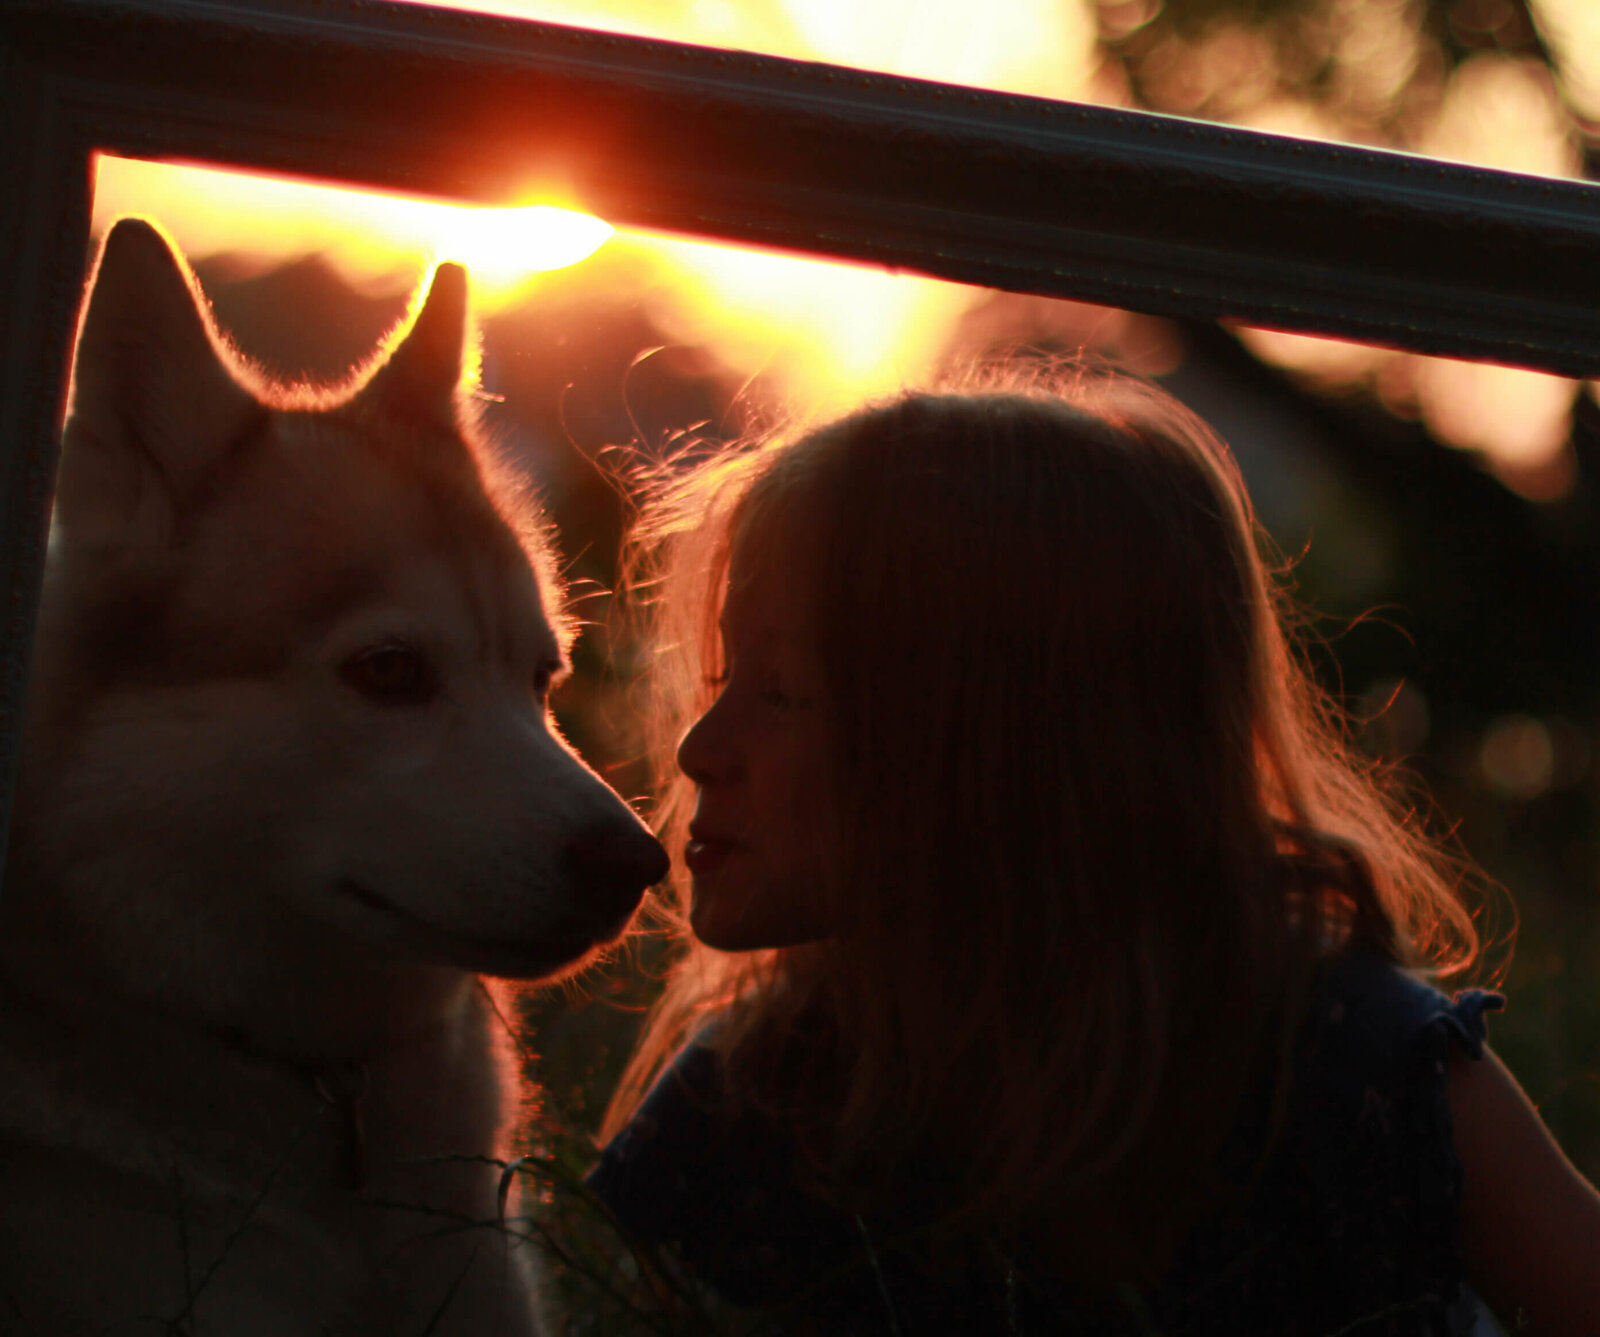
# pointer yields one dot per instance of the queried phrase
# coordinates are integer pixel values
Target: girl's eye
(773, 694)
(392, 674)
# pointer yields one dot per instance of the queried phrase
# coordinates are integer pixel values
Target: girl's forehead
(765, 598)
(753, 599)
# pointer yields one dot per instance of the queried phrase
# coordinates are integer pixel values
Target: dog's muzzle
(614, 866)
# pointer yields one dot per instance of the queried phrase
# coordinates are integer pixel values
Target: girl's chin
(710, 922)
(729, 923)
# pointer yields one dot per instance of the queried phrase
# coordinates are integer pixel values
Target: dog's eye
(391, 675)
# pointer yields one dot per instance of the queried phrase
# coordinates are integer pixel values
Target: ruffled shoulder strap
(1372, 1015)
(1375, 1062)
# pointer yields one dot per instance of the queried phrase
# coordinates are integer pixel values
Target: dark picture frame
(1152, 213)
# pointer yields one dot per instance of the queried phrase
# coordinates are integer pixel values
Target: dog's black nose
(615, 865)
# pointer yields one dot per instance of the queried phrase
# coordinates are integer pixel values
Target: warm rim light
(823, 335)
(364, 235)
(826, 334)
(818, 334)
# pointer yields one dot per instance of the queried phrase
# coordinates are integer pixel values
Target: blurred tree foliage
(1374, 63)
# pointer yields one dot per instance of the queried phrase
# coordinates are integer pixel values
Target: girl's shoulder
(718, 1182)
(682, 1140)
(1372, 1021)
(1356, 1207)
(1369, 1095)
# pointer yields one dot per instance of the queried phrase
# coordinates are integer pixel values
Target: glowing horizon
(825, 333)
(366, 236)
(819, 332)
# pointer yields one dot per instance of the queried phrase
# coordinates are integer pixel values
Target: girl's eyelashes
(775, 692)
(776, 696)
(770, 690)
(766, 672)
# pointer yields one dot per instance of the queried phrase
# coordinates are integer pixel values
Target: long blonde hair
(1096, 824)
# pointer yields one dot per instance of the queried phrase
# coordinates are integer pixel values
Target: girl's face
(757, 757)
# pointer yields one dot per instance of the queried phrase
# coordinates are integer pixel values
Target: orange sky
(829, 334)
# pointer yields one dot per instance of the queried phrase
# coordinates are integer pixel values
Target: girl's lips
(705, 854)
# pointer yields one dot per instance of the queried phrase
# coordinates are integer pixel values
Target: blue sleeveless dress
(1350, 1230)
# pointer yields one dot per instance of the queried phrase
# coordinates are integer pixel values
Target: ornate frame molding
(1153, 213)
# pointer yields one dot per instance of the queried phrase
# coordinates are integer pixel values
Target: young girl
(1056, 967)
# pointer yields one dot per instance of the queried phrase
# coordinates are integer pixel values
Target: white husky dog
(288, 783)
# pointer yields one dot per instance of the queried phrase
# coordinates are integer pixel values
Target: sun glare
(822, 334)
(816, 333)
(368, 238)
(504, 247)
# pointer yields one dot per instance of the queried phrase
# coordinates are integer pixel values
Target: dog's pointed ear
(153, 405)
(424, 371)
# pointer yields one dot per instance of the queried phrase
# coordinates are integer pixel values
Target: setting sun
(504, 247)
(818, 333)
(367, 237)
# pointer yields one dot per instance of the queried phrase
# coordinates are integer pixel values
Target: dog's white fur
(288, 783)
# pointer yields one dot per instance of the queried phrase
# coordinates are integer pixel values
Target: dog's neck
(130, 1076)
(341, 1088)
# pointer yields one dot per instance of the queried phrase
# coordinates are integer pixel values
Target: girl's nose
(707, 754)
